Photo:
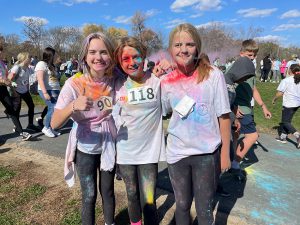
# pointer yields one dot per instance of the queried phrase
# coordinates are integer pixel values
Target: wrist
(262, 105)
(73, 107)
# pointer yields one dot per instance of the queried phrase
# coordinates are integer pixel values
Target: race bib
(185, 106)
(140, 95)
(103, 103)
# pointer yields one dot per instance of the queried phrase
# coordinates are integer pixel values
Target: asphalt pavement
(269, 196)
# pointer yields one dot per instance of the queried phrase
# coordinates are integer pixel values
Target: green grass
(267, 91)
(6, 174)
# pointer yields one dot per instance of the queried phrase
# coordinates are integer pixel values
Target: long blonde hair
(203, 67)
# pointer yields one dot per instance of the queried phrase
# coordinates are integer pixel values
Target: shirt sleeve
(15, 69)
(66, 96)
(282, 86)
(165, 101)
(221, 100)
(40, 66)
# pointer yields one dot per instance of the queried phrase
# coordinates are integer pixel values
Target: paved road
(269, 196)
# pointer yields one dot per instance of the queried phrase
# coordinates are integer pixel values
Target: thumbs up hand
(83, 103)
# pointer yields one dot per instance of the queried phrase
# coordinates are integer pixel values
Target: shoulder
(41, 65)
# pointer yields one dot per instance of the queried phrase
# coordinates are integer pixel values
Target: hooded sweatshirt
(242, 69)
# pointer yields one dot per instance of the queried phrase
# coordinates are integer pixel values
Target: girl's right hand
(83, 103)
(47, 96)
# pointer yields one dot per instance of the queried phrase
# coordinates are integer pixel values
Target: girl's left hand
(225, 162)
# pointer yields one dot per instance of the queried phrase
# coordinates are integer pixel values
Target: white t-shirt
(199, 132)
(291, 92)
(138, 118)
(50, 78)
(21, 78)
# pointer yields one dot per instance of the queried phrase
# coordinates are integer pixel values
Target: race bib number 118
(141, 95)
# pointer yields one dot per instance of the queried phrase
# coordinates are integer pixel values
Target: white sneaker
(25, 136)
(48, 132)
(56, 133)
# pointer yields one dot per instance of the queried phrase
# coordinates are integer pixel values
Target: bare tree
(138, 24)
(33, 30)
(152, 40)
(61, 38)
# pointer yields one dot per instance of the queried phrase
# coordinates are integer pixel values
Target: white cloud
(253, 12)
(123, 19)
(174, 23)
(287, 27)
(71, 2)
(24, 19)
(196, 15)
(210, 24)
(107, 17)
(290, 14)
(269, 38)
(152, 12)
(203, 5)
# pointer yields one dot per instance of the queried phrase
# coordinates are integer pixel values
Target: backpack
(33, 84)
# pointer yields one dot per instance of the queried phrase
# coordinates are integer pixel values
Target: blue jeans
(50, 103)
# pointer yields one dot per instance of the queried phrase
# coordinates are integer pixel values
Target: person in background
(20, 73)
(276, 70)
(48, 87)
(283, 68)
(289, 88)
(243, 110)
(6, 99)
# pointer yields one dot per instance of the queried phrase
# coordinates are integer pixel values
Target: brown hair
(131, 42)
(203, 67)
(249, 45)
(295, 69)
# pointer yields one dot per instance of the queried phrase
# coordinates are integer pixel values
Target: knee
(89, 197)
(183, 205)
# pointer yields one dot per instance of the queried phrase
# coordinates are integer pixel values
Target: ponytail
(295, 69)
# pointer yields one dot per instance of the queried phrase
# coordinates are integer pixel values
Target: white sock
(235, 164)
(296, 134)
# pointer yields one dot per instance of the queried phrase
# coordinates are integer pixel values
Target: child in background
(199, 129)
(289, 88)
(88, 98)
(140, 139)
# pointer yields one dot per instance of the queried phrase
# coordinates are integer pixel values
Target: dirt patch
(60, 204)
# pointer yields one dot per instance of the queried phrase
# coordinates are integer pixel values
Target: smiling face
(97, 58)
(132, 62)
(184, 50)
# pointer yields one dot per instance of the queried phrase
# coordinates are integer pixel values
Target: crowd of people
(117, 106)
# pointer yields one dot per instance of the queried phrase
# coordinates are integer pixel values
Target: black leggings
(9, 108)
(28, 100)
(87, 166)
(286, 126)
(140, 181)
(195, 176)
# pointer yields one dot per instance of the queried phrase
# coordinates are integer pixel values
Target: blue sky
(280, 20)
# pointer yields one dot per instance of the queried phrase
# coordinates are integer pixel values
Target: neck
(186, 70)
(97, 76)
(139, 78)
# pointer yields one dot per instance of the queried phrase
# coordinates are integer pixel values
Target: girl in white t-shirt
(140, 139)
(88, 98)
(48, 87)
(199, 129)
(20, 73)
(289, 88)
